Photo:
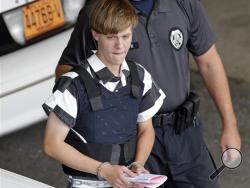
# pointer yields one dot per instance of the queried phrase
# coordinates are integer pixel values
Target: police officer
(100, 114)
(167, 32)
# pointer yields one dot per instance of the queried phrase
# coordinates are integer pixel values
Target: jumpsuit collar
(104, 74)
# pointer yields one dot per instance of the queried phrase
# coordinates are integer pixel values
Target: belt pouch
(184, 116)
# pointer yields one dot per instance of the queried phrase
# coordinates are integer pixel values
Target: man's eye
(125, 36)
(110, 37)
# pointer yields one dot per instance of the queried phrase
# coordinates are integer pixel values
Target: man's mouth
(118, 53)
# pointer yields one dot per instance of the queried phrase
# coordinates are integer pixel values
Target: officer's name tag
(134, 45)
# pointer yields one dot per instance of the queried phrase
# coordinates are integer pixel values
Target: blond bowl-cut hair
(112, 16)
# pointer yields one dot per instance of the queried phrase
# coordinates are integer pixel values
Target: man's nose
(118, 43)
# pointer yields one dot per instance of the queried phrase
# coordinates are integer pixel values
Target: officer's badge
(176, 38)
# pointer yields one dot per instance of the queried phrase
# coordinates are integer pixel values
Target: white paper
(145, 180)
(148, 180)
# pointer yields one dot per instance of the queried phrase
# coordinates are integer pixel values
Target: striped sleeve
(63, 101)
(152, 98)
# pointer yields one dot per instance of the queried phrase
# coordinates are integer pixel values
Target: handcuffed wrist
(99, 168)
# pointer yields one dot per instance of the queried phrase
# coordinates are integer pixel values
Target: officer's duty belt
(164, 119)
(183, 117)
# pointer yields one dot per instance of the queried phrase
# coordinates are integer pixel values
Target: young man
(100, 114)
(167, 31)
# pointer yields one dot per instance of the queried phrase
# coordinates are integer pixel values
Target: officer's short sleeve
(201, 36)
(152, 98)
(81, 42)
(63, 101)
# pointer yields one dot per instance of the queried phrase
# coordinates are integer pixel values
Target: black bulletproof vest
(108, 120)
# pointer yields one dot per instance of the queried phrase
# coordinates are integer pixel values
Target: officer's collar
(103, 73)
(162, 6)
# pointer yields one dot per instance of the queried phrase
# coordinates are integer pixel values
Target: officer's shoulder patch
(176, 38)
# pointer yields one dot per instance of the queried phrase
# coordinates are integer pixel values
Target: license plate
(42, 16)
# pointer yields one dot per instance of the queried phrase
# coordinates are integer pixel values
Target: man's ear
(95, 34)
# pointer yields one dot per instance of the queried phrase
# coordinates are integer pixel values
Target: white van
(33, 34)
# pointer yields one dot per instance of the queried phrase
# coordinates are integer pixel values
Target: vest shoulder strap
(93, 91)
(135, 81)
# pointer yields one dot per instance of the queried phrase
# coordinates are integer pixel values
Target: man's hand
(117, 175)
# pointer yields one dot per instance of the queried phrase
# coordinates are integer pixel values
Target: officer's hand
(230, 137)
(117, 175)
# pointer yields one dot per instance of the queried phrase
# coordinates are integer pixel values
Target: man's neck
(115, 69)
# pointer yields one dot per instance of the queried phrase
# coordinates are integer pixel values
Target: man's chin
(119, 60)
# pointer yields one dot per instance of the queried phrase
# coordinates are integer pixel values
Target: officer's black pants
(184, 158)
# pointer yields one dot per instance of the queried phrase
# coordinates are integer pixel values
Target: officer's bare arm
(213, 74)
(145, 141)
(61, 69)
